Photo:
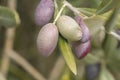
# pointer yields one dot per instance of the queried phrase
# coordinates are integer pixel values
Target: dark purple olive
(81, 49)
(92, 71)
(44, 12)
(84, 28)
(47, 39)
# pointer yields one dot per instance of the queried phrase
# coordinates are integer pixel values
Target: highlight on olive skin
(69, 28)
(47, 39)
(44, 12)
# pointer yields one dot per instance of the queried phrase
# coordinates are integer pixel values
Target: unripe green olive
(69, 28)
(47, 39)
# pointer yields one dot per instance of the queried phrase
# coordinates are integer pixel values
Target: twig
(57, 69)
(23, 63)
(76, 12)
(10, 32)
(71, 7)
(59, 13)
(115, 35)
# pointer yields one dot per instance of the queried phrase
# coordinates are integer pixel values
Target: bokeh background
(25, 40)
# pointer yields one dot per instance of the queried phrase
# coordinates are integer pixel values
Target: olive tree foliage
(88, 50)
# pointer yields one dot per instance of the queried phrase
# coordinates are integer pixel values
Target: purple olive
(92, 71)
(81, 49)
(47, 39)
(84, 28)
(44, 12)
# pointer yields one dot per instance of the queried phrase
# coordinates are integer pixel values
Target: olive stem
(59, 13)
(56, 8)
(114, 35)
(76, 12)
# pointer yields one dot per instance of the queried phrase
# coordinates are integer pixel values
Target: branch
(56, 72)
(23, 63)
(115, 35)
(72, 8)
(10, 32)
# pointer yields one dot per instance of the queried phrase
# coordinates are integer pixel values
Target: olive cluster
(73, 30)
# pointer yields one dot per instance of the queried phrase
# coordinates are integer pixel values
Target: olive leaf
(110, 43)
(68, 55)
(107, 5)
(104, 6)
(113, 60)
(87, 11)
(105, 74)
(90, 12)
(8, 17)
(91, 59)
(95, 23)
(66, 74)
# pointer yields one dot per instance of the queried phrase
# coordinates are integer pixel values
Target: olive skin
(69, 28)
(92, 71)
(47, 39)
(44, 12)
(85, 31)
(81, 49)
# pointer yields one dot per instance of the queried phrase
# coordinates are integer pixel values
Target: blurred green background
(25, 40)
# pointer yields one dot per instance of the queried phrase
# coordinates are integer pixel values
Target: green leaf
(105, 75)
(68, 55)
(111, 22)
(8, 17)
(95, 23)
(110, 43)
(90, 12)
(113, 60)
(91, 59)
(105, 6)
(87, 11)
(66, 74)
(96, 27)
